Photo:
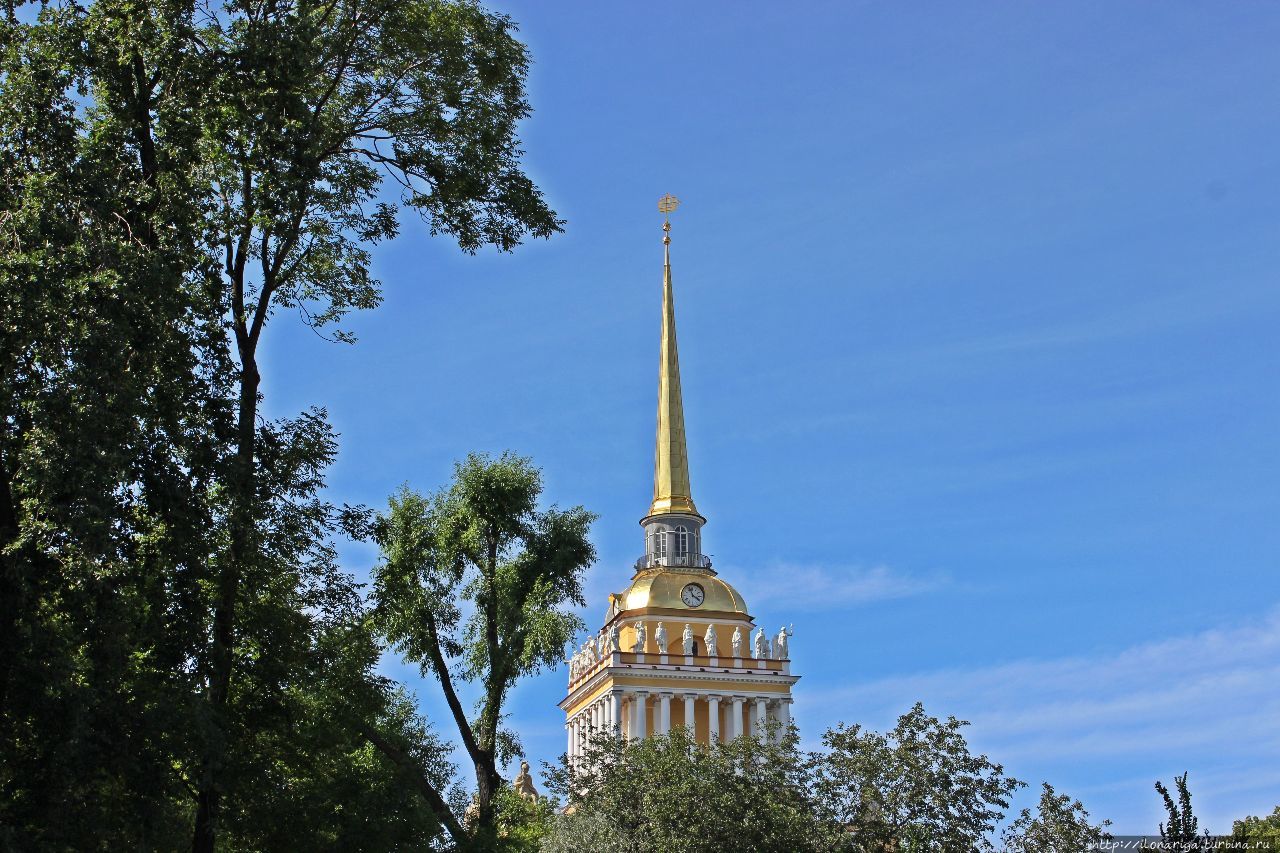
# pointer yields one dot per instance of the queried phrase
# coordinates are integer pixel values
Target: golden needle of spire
(671, 492)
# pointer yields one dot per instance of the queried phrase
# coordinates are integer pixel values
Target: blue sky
(977, 309)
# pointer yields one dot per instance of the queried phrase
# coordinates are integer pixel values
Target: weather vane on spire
(666, 205)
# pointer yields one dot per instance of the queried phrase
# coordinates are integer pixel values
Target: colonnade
(626, 711)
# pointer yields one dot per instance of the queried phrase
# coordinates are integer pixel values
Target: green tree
(587, 830)
(319, 102)
(1059, 825)
(522, 825)
(173, 174)
(474, 585)
(670, 793)
(1263, 833)
(1181, 828)
(113, 369)
(318, 784)
(915, 788)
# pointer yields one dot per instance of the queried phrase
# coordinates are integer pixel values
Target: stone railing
(694, 561)
(581, 672)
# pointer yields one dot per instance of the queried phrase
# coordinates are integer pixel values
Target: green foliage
(476, 584)
(317, 103)
(112, 409)
(1181, 828)
(1182, 822)
(670, 793)
(172, 174)
(521, 824)
(1262, 833)
(1060, 825)
(916, 788)
(588, 830)
(317, 781)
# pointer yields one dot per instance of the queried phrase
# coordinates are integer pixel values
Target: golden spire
(671, 493)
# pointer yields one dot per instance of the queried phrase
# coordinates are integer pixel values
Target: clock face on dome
(693, 595)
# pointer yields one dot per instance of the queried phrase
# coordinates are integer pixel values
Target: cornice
(674, 674)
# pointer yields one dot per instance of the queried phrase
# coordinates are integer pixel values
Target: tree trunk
(10, 588)
(487, 779)
(484, 833)
(243, 487)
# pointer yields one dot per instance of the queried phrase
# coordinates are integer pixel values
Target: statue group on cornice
(608, 641)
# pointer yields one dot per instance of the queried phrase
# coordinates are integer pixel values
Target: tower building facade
(678, 646)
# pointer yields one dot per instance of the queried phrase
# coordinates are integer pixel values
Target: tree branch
(405, 762)
(493, 692)
(451, 696)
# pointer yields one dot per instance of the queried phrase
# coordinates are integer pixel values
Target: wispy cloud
(812, 588)
(1208, 700)
(1234, 668)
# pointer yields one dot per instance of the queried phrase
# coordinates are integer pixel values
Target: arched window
(660, 544)
(682, 542)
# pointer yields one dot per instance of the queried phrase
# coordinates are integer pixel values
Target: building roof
(661, 588)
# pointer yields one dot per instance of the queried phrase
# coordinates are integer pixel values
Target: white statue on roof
(781, 645)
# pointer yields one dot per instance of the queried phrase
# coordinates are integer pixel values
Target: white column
(784, 717)
(568, 731)
(735, 717)
(664, 714)
(615, 712)
(689, 718)
(713, 719)
(760, 716)
(573, 742)
(638, 721)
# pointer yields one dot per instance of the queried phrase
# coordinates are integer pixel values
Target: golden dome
(661, 587)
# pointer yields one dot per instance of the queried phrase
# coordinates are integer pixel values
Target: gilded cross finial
(666, 205)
